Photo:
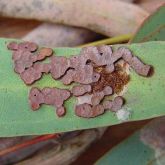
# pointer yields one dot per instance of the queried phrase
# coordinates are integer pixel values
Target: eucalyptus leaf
(152, 29)
(146, 146)
(130, 152)
(144, 98)
(133, 150)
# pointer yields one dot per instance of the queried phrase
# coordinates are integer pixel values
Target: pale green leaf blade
(130, 152)
(152, 29)
(144, 97)
(145, 147)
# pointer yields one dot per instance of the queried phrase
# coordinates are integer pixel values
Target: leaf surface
(144, 97)
(131, 151)
(152, 29)
(145, 147)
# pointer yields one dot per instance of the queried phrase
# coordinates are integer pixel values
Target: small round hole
(88, 62)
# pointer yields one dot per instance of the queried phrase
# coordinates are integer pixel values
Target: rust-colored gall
(96, 70)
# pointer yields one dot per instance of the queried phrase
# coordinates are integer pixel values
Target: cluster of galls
(80, 69)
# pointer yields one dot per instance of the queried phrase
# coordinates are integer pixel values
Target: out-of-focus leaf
(100, 16)
(56, 35)
(110, 41)
(153, 28)
(151, 5)
(144, 96)
(67, 149)
(145, 147)
(130, 152)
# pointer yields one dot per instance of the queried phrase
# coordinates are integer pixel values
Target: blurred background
(70, 23)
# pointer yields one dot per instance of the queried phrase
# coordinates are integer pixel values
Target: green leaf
(130, 152)
(153, 28)
(133, 151)
(145, 147)
(110, 41)
(144, 96)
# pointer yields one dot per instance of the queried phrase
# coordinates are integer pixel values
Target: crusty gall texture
(49, 96)
(95, 69)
